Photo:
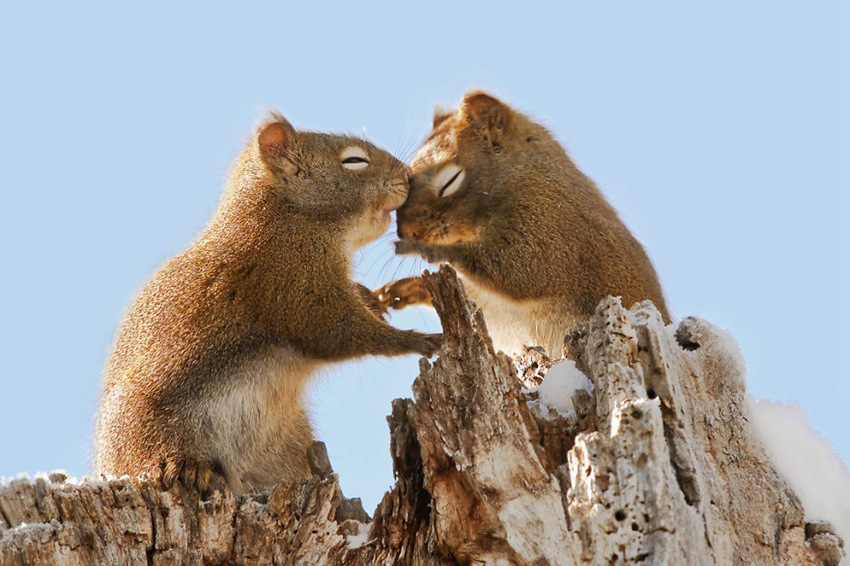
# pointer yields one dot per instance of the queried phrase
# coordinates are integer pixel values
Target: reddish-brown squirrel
(535, 242)
(211, 361)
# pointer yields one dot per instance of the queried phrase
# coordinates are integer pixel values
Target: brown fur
(211, 361)
(534, 239)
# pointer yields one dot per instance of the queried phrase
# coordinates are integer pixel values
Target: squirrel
(209, 366)
(535, 242)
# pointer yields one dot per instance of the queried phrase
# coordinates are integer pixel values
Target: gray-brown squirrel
(211, 361)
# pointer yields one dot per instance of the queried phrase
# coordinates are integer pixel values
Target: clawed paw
(206, 477)
(434, 342)
(402, 293)
(373, 302)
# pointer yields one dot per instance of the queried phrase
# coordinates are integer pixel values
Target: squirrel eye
(354, 157)
(449, 179)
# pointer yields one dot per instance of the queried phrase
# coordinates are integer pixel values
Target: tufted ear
(440, 115)
(486, 113)
(275, 138)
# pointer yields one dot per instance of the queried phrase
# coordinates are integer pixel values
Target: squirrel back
(538, 246)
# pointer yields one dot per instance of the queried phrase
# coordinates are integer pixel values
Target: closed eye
(449, 179)
(354, 157)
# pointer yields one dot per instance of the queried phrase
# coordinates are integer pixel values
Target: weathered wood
(659, 467)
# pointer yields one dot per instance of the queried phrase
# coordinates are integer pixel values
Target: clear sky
(715, 129)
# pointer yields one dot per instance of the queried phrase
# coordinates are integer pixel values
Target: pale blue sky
(713, 129)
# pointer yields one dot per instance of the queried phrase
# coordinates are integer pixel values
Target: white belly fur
(260, 420)
(515, 324)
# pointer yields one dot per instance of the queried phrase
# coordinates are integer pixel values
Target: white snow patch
(806, 461)
(24, 476)
(730, 346)
(556, 392)
(69, 479)
(358, 540)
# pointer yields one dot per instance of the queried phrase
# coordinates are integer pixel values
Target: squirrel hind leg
(204, 476)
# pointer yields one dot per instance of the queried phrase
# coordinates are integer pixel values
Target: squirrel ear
(486, 112)
(275, 138)
(440, 115)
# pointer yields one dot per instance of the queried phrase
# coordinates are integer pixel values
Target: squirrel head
(461, 174)
(339, 180)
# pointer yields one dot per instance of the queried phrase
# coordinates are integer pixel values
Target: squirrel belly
(512, 325)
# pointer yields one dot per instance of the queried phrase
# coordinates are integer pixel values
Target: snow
(358, 540)
(729, 345)
(806, 461)
(556, 392)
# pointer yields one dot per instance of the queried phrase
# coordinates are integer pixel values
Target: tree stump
(657, 466)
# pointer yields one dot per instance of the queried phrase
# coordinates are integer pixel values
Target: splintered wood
(659, 467)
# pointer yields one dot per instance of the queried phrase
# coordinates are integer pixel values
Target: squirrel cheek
(368, 228)
(381, 220)
(458, 232)
(436, 230)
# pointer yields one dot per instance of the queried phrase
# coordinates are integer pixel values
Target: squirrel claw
(206, 477)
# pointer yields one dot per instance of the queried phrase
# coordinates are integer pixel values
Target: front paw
(431, 344)
(403, 293)
(206, 477)
(376, 305)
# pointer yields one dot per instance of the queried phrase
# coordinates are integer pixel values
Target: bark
(658, 467)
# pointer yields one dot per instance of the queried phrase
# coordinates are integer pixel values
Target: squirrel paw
(403, 293)
(373, 302)
(206, 477)
(432, 344)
